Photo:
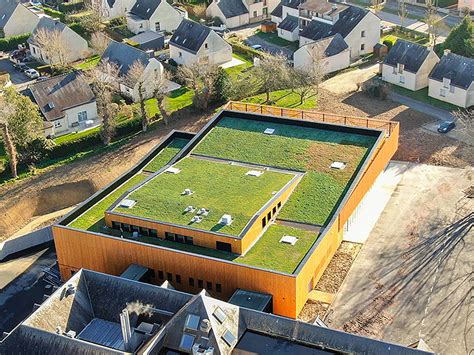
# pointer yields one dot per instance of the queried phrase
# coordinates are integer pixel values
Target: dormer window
(446, 83)
(401, 67)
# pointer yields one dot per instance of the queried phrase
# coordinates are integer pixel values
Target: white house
(75, 46)
(124, 56)
(195, 43)
(452, 80)
(236, 13)
(16, 19)
(408, 65)
(330, 54)
(289, 28)
(154, 15)
(67, 104)
(116, 8)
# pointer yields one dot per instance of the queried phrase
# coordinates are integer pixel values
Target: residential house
(124, 56)
(466, 4)
(289, 28)
(195, 43)
(116, 8)
(154, 15)
(16, 19)
(67, 104)
(319, 19)
(74, 45)
(408, 65)
(148, 40)
(329, 54)
(236, 13)
(452, 80)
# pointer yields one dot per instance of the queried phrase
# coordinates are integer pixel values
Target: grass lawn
(422, 96)
(176, 100)
(284, 98)
(269, 253)
(234, 72)
(75, 136)
(219, 187)
(88, 63)
(166, 155)
(292, 147)
(272, 37)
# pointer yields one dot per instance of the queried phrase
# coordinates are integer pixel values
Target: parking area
(16, 77)
(413, 276)
(461, 132)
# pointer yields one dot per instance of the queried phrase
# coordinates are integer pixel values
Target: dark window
(161, 275)
(151, 272)
(224, 246)
(178, 279)
(169, 236)
(126, 227)
(264, 222)
(169, 276)
(279, 204)
(274, 210)
(209, 285)
(188, 240)
(73, 272)
(179, 238)
(144, 231)
(191, 281)
(269, 216)
(116, 225)
(135, 229)
(200, 284)
(153, 233)
(218, 288)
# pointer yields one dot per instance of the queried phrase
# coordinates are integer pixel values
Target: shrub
(390, 41)
(54, 13)
(244, 50)
(44, 69)
(11, 43)
(375, 88)
(68, 8)
(79, 29)
(118, 21)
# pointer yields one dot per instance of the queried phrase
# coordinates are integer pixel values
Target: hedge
(244, 50)
(54, 13)
(71, 7)
(11, 43)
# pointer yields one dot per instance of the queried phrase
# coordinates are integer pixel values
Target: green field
(237, 70)
(284, 98)
(175, 101)
(298, 148)
(219, 187)
(269, 253)
(166, 155)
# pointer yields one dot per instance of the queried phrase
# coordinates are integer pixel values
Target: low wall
(17, 244)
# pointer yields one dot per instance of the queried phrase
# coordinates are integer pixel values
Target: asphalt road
(17, 78)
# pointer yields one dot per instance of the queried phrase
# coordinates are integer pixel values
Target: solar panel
(220, 315)
(229, 338)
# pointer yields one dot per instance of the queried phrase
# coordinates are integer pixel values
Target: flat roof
(219, 187)
(251, 299)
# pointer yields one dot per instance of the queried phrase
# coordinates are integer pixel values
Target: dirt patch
(312, 310)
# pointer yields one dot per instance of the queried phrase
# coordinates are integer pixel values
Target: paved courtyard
(413, 277)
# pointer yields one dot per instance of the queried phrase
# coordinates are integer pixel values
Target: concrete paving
(349, 82)
(433, 111)
(460, 132)
(413, 277)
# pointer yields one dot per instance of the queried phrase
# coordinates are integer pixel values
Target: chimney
(126, 329)
(446, 51)
(151, 53)
(334, 7)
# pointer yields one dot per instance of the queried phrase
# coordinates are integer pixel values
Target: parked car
(21, 67)
(32, 73)
(42, 78)
(446, 126)
(257, 47)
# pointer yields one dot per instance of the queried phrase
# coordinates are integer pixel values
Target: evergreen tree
(461, 39)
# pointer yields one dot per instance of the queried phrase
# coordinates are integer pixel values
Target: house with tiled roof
(195, 43)
(452, 80)
(16, 19)
(408, 65)
(236, 13)
(154, 15)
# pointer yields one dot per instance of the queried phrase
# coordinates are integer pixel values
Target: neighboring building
(452, 80)
(94, 313)
(332, 53)
(319, 19)
(408, 65)
(148, 40)
(195, 43)
(116, 8)
(154, 15)
(207, 216)
(75, 46)
(289, 28)
(236, 13)
(466, 4)
(67, 104)
(16, 19)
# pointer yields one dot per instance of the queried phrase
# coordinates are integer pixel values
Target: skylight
(192, 322)
(220, 315)
(187, 342)
(229, 338)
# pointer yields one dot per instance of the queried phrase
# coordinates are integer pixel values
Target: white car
(31, 73)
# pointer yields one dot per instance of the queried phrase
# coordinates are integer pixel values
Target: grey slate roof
(190, 36)
(289, 23)
(232, 8)
(149, 40)
(455, 67)
(278, 11)
(7, 7)
(410, 54)
(145, 8)
(124, 56)
(63, 91)
(111, 3)
(348, 19)
(329, 46)
(48, 24)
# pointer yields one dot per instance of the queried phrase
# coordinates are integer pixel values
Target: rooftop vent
(51, 105)
(173, 170)
(189, 209)
(196, 219)
(203, 212)
(127, 203)
(288, 239)
(70, 334)
(339, 165)
(205, 326)
(187, 192)
(70, 290)
(256, 173)
(269, 131)
(226, 220)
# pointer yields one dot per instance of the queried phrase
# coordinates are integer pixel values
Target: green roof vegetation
(166, 155)
(294, 147)
(220, 187)
(269, 253)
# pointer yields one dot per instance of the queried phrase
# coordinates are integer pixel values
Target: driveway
(349, 82)
(16, 77)
(413, 276)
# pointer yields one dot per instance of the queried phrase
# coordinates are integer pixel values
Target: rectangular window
(144, 231)
(269, 216)
(82, 116)
(161, 275)
(169, 276)
(153, 233)
(362, 47)
(188, 240)
(179, 238)
(135, 229)
(115, 225)
(446, 83)
(178, 279)
(394, 70)
(169, 236)
(265, 9)
(401, 67)
(200, 284)
(206, 45)
(264, 222)
(451, 89)
(362, 34)
(191, 282)
(157, 27)
(224, 246)
(279, 205)
(209, 285)
(274, 210)
(255, 14)
(126, 227)
(219, 288)
(402, 80)
(442, 93)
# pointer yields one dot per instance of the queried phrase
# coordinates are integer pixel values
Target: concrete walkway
(435, 112)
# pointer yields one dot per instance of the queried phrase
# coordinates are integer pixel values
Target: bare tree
(305, 81)
(377, 5)
(52, 47)
(436, 27)
(99, 42)
(271, 74)
(402, 12)
(202, 79)
(135, 79)
(104, 82)
(161, 82)
(6, 110)
(96, 14)
(465, 120)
